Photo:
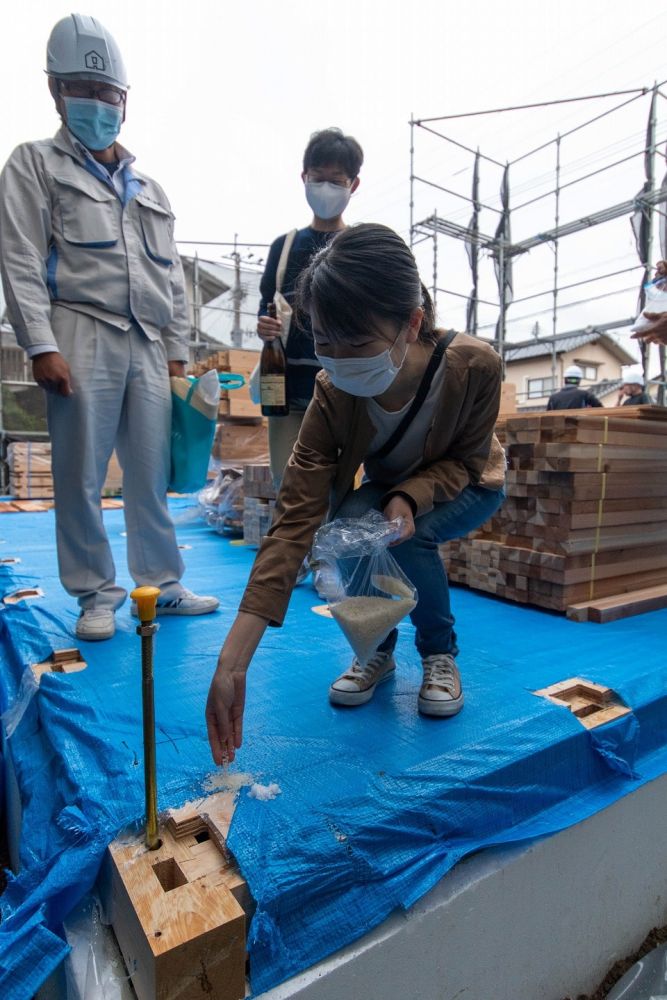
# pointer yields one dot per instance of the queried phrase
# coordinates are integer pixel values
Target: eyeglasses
(91, 91)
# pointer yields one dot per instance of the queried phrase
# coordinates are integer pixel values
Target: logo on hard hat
(94, 61)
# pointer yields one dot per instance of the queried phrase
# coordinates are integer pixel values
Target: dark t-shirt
(641, 399)
(302, 365)
(571, 397)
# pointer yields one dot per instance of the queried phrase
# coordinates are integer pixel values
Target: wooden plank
(611, 609)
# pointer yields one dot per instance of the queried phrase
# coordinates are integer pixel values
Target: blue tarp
(377, 803)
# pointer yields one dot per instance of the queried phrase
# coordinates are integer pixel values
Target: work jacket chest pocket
(89, 217)
(157, 227)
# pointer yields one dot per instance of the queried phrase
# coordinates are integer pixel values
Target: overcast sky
(225, 95)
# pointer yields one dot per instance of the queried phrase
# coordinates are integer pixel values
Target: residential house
(536, 367)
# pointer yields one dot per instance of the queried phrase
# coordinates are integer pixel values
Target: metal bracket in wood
(592, 704)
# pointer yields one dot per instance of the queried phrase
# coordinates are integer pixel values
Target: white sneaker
(440, 693)
(95, 624)
(357, 685)
(186, 603)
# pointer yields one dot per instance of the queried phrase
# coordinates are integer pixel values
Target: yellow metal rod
(146, 598)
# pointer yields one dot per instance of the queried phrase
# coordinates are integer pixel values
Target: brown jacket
(460, 448)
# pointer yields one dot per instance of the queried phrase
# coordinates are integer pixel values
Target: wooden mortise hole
(592, 704)
(24, 594)
(61, 661)
(169, 875)
(202, 836)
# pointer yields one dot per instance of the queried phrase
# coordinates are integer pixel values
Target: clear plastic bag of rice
(367, 592)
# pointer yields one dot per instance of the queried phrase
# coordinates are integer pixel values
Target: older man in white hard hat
(572, 396)
(633, 388)
(95, 293)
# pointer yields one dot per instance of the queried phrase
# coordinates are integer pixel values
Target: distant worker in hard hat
(95, 293)
(633, 388)
(572, 396)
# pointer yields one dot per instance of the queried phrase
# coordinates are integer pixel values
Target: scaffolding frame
(499, 245)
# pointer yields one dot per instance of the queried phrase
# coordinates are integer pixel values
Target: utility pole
(237, 296)
(196, 306)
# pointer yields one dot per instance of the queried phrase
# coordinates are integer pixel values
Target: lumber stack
(584, 521)
(259, 503)
(30, 475)
(29, 464)
(241, 435)
(234, 403)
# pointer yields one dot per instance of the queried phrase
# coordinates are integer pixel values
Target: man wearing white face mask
(331, 164)
(96, 296)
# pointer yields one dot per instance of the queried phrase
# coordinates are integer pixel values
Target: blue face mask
(94, 123)
(362, 376)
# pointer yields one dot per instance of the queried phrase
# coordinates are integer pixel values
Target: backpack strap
(420, 396)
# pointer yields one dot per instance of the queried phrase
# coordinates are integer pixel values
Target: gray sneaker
(94, 625)
(186, 603)
(357, 685)
(440, 693)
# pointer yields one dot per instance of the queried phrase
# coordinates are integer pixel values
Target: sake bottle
(273, 375)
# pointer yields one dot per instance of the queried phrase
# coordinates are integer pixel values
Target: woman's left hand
(399, 507)
(657, 332)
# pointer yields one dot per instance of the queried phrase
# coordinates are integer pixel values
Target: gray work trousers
(121, 399)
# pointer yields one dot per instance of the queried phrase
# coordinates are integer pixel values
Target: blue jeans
(420, 560)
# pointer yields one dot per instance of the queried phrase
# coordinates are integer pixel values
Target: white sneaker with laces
(441, 692)
(95, 624)
(186, 603)
(357, 685)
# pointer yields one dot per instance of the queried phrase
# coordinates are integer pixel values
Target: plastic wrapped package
(94, 968)
(646, 980)
(367, 592)
(221, 501)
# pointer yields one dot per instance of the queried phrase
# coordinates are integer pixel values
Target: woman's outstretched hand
(224, 713)
(226, 696)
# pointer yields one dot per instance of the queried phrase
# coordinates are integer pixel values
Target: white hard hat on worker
(634, 376)
(87, 79)
(573, 372)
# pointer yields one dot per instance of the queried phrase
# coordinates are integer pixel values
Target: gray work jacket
(68, 238)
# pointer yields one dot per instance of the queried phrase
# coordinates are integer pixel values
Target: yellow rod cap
(146, 598)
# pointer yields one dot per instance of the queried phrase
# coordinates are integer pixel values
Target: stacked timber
(241, 435)
(584, 525)
(29, 464)
(30, 477)
(259, 502)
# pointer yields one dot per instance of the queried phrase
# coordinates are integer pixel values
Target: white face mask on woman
(362, 376)
(327, 200)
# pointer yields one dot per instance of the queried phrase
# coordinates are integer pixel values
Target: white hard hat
(633, 376)
(573, 371)
(80, 48)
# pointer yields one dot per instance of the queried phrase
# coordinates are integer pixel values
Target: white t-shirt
(408, 454)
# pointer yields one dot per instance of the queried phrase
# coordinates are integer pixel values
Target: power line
(639, 91)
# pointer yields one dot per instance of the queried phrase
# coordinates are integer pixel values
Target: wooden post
(179, 912)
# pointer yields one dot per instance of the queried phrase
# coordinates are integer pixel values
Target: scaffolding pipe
(435, 262)
(554, 317)
(412, 179)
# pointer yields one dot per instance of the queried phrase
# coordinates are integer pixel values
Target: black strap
(422, 392)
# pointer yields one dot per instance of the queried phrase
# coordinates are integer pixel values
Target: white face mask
(327, 200)
(362, 376)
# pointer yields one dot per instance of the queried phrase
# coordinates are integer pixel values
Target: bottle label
(272, 390)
